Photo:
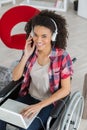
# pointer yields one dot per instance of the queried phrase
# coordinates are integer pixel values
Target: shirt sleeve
(66, 69)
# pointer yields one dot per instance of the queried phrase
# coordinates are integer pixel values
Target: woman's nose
(39, 39)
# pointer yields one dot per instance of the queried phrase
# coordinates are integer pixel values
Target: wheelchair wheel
(73, 114)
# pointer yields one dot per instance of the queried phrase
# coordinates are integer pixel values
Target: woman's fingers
(28, 42)
(30, 111)
(27, 112)
(29, 46)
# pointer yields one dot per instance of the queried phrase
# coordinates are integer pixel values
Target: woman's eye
(44, 36)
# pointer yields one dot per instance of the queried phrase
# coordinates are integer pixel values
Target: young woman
(45, 65)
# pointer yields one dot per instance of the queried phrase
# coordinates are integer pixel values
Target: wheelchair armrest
(6, 91)
(60, 105)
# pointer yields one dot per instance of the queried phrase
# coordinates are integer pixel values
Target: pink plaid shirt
(60, 68)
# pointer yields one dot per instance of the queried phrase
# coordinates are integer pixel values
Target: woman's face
(42, 37)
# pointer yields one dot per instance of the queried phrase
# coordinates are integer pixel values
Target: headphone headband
(56, 30)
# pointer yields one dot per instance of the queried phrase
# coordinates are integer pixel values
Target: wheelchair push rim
(73, 114)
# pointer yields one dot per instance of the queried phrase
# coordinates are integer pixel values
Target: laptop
(10, 112)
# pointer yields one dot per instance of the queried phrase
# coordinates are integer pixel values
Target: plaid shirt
(60, 68)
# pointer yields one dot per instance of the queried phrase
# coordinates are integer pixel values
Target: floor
(77, 47)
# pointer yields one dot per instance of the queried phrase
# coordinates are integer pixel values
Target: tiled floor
(77, 47)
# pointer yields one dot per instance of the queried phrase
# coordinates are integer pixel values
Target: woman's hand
(31, 110)
(28, 47)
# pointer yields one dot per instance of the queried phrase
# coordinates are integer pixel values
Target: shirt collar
(52, 55)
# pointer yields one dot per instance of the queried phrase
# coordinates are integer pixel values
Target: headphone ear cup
(54, 37)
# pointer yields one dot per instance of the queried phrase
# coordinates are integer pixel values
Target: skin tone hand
(31, 110)
(28, 49)
(18, 70)
(64, 91)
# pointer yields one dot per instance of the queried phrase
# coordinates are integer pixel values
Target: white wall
(82, 8)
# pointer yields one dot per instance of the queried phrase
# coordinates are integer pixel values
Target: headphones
(56, 31)
(54, 34)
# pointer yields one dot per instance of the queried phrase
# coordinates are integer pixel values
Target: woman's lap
(41, 117)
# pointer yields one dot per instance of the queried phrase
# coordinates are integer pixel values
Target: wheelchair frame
(66, 114)
(71, 114)
(74, 112)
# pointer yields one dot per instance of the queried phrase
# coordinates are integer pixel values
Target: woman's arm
(62, 92)
(18, 70)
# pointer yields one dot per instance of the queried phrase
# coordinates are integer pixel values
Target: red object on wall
(11, 18)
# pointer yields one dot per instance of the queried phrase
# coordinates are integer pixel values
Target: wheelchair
(67, 113)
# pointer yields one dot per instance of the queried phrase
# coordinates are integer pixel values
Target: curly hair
(45, 18)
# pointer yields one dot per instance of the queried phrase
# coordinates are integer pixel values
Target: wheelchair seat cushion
(5, 76)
